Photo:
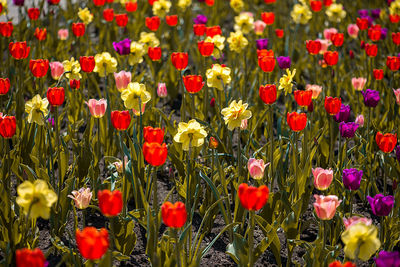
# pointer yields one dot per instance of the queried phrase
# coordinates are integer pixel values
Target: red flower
(296, 121)
(120, 119)
(92, 243)
(172, 20)
(268, 17)
(56, 96)
(153, 135)
(8, 126)
(316, 6)
(32, 258)
(108, 14)
(371, 50)
(396, 38)
(154, 53)
(179, 60)
(121, 19)
(19, 50)
(213, 30)
(374, 32)
(279, 33)
(193, 83)
(265, 53)
(210, 2)
(155, 154)
(110, 203)
(33, 13)
(4, 86)
(39, 67)
(386, 142)
(394, 18)
(393, 63)
(6, 28)
(337, 39)
(174, 215)
(362, 23)
(332, 105)
(40, 34)
(130, 6)
(266, 63)
(268, 93)
(351, 54)
(199, 29)
(87, 63)
(313, 47)
(303, 98)
(378, 74)
(206, 48)
(75, 84)
(339, 264)
(78, 29)
(54, 2)
(331, 58)
(99, 2)
(253, 198)
(152, 23)
(269, 1)
(327, 2)
(151, 2)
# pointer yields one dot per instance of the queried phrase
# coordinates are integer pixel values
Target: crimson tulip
(332, 105)
(193, 83)
(296, 121)
(386, 142)
(87, 63)
(19, 50)
(268, 93)
(152, 23)
(110, 202)
(108, 14)
(56, 96)
(174, 215)
(331, 58)
(39, 67)
(4, 86)
(8, 126)
(92, 243)
(253, 198)
(266, 63)
(206, 48)
(121, 19)
(78, 29)
(213, 30)
(153, 135)
(6, 28)
(313, 47)
(172, 20)
(303, 98)
(120, 119)
(268, 17)
(180, 60)
(154, 153)
(154, 53)
(199, 29)
(32, 258)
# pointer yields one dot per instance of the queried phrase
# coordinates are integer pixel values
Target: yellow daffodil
(218, 76)
(190, 134)
(36, 198)
(237, 42)
(161, 8)
(237, 5)
(394, 8)
(105, 64)
(73, 67)
(244, 22)
(285, 82)
(360, 241)
(235, 114)
(301, 14)
(148, 39)
(37, 109)
(183, 4)
(133, 93)
(218, 42)
(4, 5)
(85, 15)
(137, 53)
(335, 12)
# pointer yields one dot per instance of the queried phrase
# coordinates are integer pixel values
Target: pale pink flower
(57, 69)
(63, 34)
(122, 79)
(118, 164)
(247, 13)
(397, 94)
(360, 120)
(325, 206)
(316, 90)
(256, 168)
(329, 32)
(97, 107)
(162, 90)
(352, 30)
(136, 112)
(325, 43)
(322, 178)
(358, 83)
(354, 220)
(259, 26)
(81, 198)
(243, 125)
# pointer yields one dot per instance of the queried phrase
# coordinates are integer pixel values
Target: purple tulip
(352, 178)
(384, 32)
(262, 43)
(348, 129)
(376, 13)
(200, 19)
(123, 47)
(284, 62)
(371, 98)
(398, 153)
(388, 259)
(363, 13)
(343, 114)
(19, 2)
(381, 205)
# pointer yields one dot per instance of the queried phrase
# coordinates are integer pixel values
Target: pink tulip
(57, 69)
(118, 164)
(325, 206)
(136, 112)
(352, 30)
(316, 90)
(243, 125)
(322, 178)
(256, 168)
(63, 34)
(122, 79)
(358, 83)
(360, 120)
(259, 27)
(325, 43)
(97, 107)
(162, 90)
(81, 198)
(329, 32)
(354, 220)
(397, 94)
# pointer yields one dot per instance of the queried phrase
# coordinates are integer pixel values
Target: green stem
(177, 250)
(239, 154)
(60, 180)
(351, 203)
(251, 237)
(155, 207)
(183, 106)
(294, 158)
(125, 189)
(271, 136)
(332, 143)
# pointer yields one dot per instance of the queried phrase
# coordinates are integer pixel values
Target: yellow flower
(244, 22)
(74, 68)
(36, 198)
(335, 12)
(183, 4)
(301, 14)
(394, 8)
(105, 64)
(237, 42)
(85, 15)
(218, 76)
(286, 81)
(37, 109)
(161, 8)
(360, 241)
(137, 53)
(4, 5)
(235, 113)
(237, 5)
(190, 134)
(218, 42)
(148, 39)
(133, 93)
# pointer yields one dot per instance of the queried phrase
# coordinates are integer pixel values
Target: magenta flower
(352, 178)
(123, 47)
(381, 205)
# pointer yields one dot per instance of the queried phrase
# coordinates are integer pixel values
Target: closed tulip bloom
(371, 50)
(110, 202)
(303, 98)
(352, 178)
(97, 107)
(40, 34)
(268, 17)
(259, 27)
(329, 32)
(131, 6)
(174, 215)
(55, 96)
(81, 198)
(386, 142)
(26, 257)
(279, 33)
(154, 53)
(92, 243)
(371, 98)
(253, 198)
(256, 168)
(322, 178)
(268, 93)
(374, 32)
(172, 20)
(19, 50)
(154, 153)
(296, 121)
(393, 63)
(63, 34)
(396, 38)
(33, 13)
(39, 67)
(316, 5)
(179, 60)
(381, 205)
(325, 206)
(108, 14)
(313, 47)
(123, 47)
(266, 63)
(162, 90)
(378, 74)
(87, 63)
(331, 58)
(358, 83)
(193, 83)
(265, 53)
(120, 119)
(348, 129)
(343, 114)
(153, 135)
(121, 19)
(353, 30)
(316, 90)
(262, 43)
(78, 29)
(4, 86)
(362, 23)
(153, 23)
(6, 28)
(397, 95)
(332, 105)
(75, 84)
(122, 79)
(354, 220)
(386, 259)
(284, 62)
(199, 29)
(337, 39)
(205, 48)
(57, 69)
(8, 126)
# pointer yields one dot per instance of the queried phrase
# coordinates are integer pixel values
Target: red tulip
(120, 119)
(19, 50)
(213, 30)
(193, 83)
(393, 63)
(153, 135)
(6, 28)
(32, 258)
(39, 67)
(296, 121)
(268, 93)
(328, 2)
(121, 19)
(331, 58)
(87, 63)
(316, 6)
(172, 20)
(130, 6)
(337, 39)
(268, 17)
(332, 105)
(33, 13)
(179, 60)
(206, 48)
(110, 202)
(303, 98)
(199, 29)
(269, 1)
(56, 96)
(78, 29)
(394, 18)
(108, 14)
(54, 2)
(386, 142)
(151, 2)
(174, 215)
(40, 34)
(8, 126)
(279, 33)
(378, 74)
(92, 243)
(209, 2)
(265, 53)
(253, 198)
(4, 86)
(313, 47)
(374, 32)
(154, 53)
(152, 23)
(266, 63)
(396, 38)
(371, 50)
(99, 2)
(155, 154)
(362, 23)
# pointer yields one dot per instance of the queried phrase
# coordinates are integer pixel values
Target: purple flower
(51, 121)
(262, 43)
(388, 259)
(375, 13)
(348, 129)
(384, 32)
(19, 2)
(363, 13)
(381, 205)
(371, 98)
(343, 114)
(352, 178)
(123, 47)
(398, 153)
(284, 62)
(200, 19)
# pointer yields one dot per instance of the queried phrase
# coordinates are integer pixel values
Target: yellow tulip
(190, 134)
